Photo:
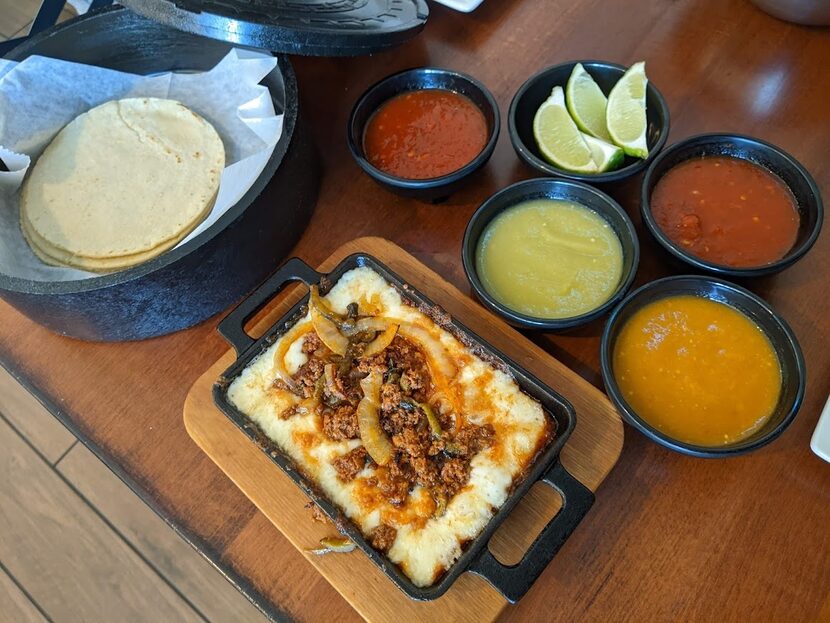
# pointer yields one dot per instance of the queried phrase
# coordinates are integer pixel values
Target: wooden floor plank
(32, 420)
(67, 13)
(194, 576)
(17, 15)
(70, 562)
(14, 605)
(22, 32)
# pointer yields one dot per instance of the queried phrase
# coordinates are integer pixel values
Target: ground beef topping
(290, 412)
(340, 423)
(394, 487)
(382, 537)
(351, 464)
(306, 377)
(312, 343)
(430, 449)
(454, 474)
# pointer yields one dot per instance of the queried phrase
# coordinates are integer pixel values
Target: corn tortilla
(122, 183)
(58, 257)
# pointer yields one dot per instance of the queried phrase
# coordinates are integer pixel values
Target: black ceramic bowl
(776, 329)
(537, 89)
(436, 188)
(770, 157)
(207, 274)
(567, 190)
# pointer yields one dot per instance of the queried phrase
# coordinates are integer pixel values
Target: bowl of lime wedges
(592, 121)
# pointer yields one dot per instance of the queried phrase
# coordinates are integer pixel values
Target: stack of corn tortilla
(121, 184)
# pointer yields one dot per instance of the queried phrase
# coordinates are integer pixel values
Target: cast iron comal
(511, 581)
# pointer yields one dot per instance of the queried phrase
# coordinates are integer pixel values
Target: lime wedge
(626, 112)
(606, 156)
(558, 138)
(586, 103)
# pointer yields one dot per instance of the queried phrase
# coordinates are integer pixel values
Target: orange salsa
(425, 134)
(697, 370)
(727, 211)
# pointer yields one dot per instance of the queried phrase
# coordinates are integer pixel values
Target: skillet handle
(232, 326)
(513, 581)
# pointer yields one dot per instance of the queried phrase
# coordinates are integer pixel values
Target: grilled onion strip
(374, 439)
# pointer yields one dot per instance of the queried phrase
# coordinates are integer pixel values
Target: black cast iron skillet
(512, 581)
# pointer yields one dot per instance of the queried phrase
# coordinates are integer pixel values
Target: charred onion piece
(336, 544)
(368, 419)
(328, 332)
(296, 333)
(282, 373)
(329, 372)
(404, 383)
(435, 351)
(381, 342)
(321, 305)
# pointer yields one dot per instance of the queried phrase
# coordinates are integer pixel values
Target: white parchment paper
(39, 96)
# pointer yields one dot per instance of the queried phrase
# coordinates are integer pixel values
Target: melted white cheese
(424, 548)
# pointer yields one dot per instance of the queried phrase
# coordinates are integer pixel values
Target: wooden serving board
(589, 455)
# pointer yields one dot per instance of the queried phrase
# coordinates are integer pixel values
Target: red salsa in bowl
(727, 211)
(425, 134)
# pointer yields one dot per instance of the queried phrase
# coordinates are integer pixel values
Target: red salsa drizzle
(425, 134)
(727, 211)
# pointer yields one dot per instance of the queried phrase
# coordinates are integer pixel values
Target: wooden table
(670, 537)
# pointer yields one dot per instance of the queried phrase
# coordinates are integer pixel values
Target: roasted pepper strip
(440, 499)
(333, 544)
(434, 424)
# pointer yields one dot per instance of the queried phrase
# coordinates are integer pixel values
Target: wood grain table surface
(669, 537)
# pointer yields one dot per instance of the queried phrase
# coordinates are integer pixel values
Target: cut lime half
(587, 103)
(558, 138)
(625, 115)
